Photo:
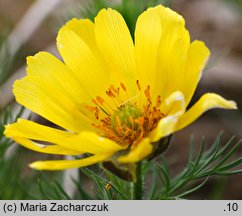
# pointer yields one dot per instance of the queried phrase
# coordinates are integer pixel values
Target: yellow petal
(147, 39)
(85, 29)
(51, 91)
(165, 127)
(86, 67)
(198, 55)
(206, 102)
(67, 164)
(139, 152)
(46, 67)
(175, 108)
(172, 53)
(24, 132)
(47, 149)
(175, 104)
(84, 142)
(117, 48)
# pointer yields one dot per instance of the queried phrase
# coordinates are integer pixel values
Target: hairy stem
(138, 185)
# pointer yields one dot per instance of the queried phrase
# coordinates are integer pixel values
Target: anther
(118, 121)
(95, 102)
(131, 119)
(111, 93)
(127, 131)
(90, 108)
(97, 113)
(138, 85)
(114, 89)
(125, 123)
(100, 100)
(147, 94)
(108, 93)
(158, 101)
(123, 86)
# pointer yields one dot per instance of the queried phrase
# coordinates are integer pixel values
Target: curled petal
(206, 102)
(175, 108)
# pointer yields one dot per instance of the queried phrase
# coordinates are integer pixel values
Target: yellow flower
(112, 97)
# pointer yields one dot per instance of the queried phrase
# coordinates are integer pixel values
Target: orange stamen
(123, 87)
(158, 101)
(95, 102)
(147, 94)
(130, 129)
(138, 85)
(114, 89)
(100, 100)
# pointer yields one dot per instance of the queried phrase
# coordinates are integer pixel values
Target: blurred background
(29, 26)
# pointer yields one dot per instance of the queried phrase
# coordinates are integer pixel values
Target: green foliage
(10, 178)
(90, 10)
(50, 188)
(108, 186)
(11, 166)
(7, 117)
(7, 62)
(214, 162)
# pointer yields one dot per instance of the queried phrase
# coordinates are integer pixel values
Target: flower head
(112, 97)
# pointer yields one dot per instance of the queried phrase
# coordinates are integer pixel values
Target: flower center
(121, 119)
(127, 124)
(125, 116)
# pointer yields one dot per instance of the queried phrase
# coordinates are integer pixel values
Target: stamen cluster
(128, 123)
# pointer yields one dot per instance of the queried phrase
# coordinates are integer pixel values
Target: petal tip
(35, 165)
(6, 129)
(233, 104)
(32, 165)
(101, 13)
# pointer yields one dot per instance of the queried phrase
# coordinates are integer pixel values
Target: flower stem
(138, 185)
